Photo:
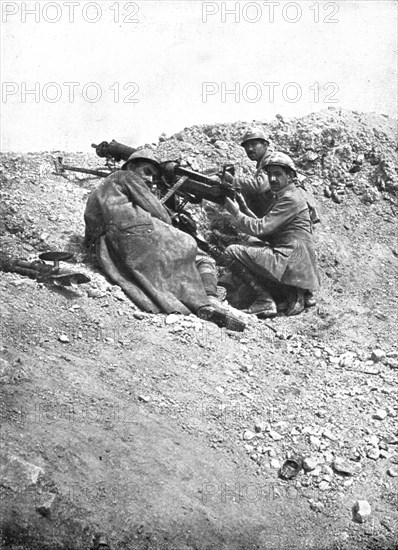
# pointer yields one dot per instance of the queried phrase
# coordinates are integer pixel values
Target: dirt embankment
(145, 432)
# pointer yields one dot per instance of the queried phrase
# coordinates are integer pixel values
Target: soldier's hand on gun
(231, 206)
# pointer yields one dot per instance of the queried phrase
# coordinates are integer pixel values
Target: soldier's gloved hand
(231, 206)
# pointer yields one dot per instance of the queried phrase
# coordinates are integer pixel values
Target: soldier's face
(278, 177)
(146, 170)
(255, 148)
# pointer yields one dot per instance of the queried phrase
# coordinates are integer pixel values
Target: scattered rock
(275, 463)
(344, 467)
(378, 355)
(95, 293)
(248, 435)
(361, 511)
(260, 427)
(246, 367)
(309, 464)
(316, 506)
(374, 454)
(315, 441)
(328, 434)
(63, 338)
(138, 315)
(16, 472)
(392, 472)
(144, 398)
(275, 435)
(172, 318)
(380, 414)
(45, 508)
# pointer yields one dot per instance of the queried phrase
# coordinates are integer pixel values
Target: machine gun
(193, 186)
(176, 187)
(46, 273)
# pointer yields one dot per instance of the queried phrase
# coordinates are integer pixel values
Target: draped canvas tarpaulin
(139, 249)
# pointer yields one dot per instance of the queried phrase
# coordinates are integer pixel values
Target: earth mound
(131, 431)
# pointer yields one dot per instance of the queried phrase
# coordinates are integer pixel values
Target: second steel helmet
(254, 133)
(142, 154)
(281, 159)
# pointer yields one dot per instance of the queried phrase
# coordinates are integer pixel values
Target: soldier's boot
(215, 313)
(295, 301)
(263, 305)
(309, 300)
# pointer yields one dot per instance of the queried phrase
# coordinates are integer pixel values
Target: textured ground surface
(166, 433)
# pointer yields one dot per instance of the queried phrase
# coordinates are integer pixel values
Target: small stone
(138, 315)
(260, 427)
(371, 369)
(317, 506)
(309, 464)
(315, 441)
(373, 440)
(361, 511)
(392, 472)
(324, 485)
(63, 338)
(327, 470)
(144, 398)
(348, 482)
(45, 508)
(275, 463)
(374, 454)
(275, 435)
(392, 363)
(318, 353)
(378, 355)
(248, 435)
(380, 414)
(384, 454)
(343, 467)
(328, 434)
(347, 359)
(246, 367)
(172, 318)
(95, 293)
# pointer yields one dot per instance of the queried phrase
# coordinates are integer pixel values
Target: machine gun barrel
(113, 150)
(60, 168)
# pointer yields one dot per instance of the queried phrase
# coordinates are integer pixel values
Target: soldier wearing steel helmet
(284, 257)
(256, 188)
(158, 266)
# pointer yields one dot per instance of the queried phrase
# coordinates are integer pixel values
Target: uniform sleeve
(253, 185)
(282, 212)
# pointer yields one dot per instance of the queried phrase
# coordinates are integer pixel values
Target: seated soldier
(285, 254)
(157, 265)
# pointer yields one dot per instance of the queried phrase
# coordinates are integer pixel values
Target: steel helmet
(142, 154)
(254, 133)
(281, 159)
